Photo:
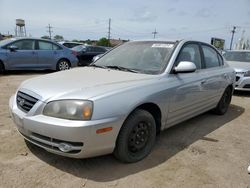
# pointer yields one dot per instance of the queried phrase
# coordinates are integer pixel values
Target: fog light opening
(64, 147)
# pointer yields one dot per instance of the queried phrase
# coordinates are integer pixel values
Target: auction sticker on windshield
(162, 45)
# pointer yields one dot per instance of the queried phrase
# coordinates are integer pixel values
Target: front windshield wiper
(99, 66)
(121, 68)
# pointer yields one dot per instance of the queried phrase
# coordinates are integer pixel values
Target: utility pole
(232, 38)
(49, 31)
(154, 33)
(109, 29)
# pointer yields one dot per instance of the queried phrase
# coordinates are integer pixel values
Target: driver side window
(190, 52)
(25, 44)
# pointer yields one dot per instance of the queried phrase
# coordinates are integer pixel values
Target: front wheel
(63, 64)
(136, 138)
(224, 102)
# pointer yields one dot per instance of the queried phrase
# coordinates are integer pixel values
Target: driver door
(24, 57)
(188, 96)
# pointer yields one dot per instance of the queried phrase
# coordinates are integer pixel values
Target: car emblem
(21, 102)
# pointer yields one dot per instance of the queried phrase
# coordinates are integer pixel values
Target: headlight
(247, 73)
(69, 109)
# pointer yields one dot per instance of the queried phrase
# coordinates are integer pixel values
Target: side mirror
(185, 67)
(95, 58)
(13, 48)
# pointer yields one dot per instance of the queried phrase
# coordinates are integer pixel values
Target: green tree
(58, 38)
(103, 42)
(88, 41)
(45, 37)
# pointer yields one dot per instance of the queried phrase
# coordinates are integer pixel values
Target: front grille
(247, 86)
(25, 102)
(237, 78)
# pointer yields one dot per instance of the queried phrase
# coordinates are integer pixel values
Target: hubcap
(138, 137)
(63, 65)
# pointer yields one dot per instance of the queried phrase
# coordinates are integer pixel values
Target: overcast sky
(131, 19)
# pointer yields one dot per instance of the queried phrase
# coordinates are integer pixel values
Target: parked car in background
(95, 58)
(121, 101)
(35, 54)
(85, 53)
(70, 44)
(240, 61)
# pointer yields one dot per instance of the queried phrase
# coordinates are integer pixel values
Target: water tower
(20, 28)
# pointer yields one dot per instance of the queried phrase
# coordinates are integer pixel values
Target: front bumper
(48, 132)
(242, 83)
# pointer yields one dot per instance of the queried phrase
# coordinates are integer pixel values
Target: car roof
(155, 40)
(33, 38)
(62, 42)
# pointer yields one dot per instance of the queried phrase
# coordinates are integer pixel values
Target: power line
(49, 31)
(123, 29)
(232, 38)
(154, 33)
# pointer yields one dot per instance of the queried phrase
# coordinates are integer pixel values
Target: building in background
(5, 36)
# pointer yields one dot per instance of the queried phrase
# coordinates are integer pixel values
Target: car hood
(239, 66)
(79, 83)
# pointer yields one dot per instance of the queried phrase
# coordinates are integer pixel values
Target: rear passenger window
(221, 60)
(191, 53)
(55, 47)
(45, 45)
(210, 57)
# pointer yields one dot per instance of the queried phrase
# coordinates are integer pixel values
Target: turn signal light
(103, 130)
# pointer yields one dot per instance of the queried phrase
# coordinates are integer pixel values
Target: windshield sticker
(162, 45)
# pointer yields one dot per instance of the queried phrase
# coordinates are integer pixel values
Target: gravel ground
(206, 151)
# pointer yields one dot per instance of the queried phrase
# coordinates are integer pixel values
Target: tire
(224, 102)
(1, 68)
(136, 138)
(63, 64)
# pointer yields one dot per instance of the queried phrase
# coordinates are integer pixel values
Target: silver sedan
(240, 61)
(120, 102)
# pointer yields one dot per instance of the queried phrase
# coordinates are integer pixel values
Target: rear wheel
(224, 102)
(63, 64)
(136, 138)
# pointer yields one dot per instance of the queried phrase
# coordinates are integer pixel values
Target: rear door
(47, 54)
(216, 77)
(25, 57)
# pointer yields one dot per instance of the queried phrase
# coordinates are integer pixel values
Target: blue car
(35, 54)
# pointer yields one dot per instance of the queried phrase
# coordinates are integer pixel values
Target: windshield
(143, 57)
(79, 48)
(237, 56)
(6, 41)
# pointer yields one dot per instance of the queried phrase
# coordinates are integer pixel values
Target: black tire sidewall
(220, 109)
(121, 151)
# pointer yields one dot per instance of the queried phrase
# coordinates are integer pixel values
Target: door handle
(203, 82)
(33, 53)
